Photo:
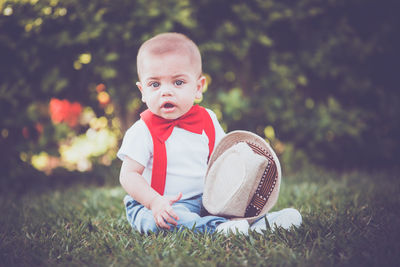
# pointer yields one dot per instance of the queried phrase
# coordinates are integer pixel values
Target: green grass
(350, 219)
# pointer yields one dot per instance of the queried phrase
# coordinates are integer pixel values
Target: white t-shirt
(187, 155)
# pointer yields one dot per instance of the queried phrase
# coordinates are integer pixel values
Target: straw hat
(243, 177)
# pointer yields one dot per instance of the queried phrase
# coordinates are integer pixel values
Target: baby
(165, 153)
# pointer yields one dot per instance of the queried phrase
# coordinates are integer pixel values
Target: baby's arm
(136, 186)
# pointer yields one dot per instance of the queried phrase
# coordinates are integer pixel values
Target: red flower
(63, 110)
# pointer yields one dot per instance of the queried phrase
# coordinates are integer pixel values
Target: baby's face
(169, 84)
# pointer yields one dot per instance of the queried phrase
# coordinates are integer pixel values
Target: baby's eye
(179, 82)
(155, 84)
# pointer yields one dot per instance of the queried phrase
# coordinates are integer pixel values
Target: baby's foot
(241, 227)
(285, 218)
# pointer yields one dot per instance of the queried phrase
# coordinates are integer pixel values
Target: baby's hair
(170, 42)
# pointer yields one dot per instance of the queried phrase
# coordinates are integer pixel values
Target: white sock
(286, 218)
(241, 227)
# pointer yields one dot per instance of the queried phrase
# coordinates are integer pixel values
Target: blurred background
(317, 78)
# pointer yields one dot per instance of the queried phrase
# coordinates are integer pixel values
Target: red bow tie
(191, 121)
(195, 120)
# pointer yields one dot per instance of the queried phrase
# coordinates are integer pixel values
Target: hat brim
(259, 146)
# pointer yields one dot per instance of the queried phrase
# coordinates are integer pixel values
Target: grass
(349, 219)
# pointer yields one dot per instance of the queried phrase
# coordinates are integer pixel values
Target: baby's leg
(142, 220)
(139, 217)
(188, 212)
(186, 217)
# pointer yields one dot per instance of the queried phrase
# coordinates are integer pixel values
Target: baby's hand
(163, 212)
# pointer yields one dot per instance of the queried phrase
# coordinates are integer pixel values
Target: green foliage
(348, 220)
(321, 73)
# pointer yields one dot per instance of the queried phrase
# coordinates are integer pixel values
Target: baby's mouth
(168, 105)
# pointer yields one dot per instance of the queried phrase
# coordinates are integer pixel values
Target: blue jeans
(188, 211)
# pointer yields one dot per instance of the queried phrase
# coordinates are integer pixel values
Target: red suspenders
(159, 152)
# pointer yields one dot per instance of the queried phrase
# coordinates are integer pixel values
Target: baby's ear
(201, 82)
(139, 85)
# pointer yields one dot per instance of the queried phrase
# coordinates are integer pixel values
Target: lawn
(349, 219)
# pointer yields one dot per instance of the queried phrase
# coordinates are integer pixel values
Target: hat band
(266, 185)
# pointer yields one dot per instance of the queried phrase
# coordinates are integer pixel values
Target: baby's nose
(166, 91)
